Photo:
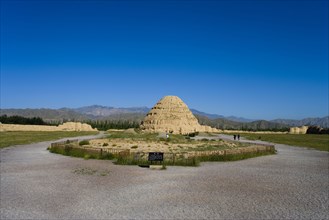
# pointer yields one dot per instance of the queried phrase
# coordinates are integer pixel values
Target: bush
(193, 134)
(235, 157)
(317, 130)
(69, 150)
(107, 156)
(84, 142)
(16, 119)
(105, 144)
(130, 160)
(104, 125)
(126, 160)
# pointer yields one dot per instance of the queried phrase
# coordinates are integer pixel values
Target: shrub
(84, 142)
(126, 160)
(82, 153)
(193, 134)
(67, 149)
(105, 144)
(235, 157)
(134, 147)
(107, 156)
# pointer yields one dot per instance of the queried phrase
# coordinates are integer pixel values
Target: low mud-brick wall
(171, 157)
(249, 149)
(72, 148)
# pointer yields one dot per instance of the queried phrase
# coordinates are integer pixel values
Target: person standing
(238, 137)
(234, 136)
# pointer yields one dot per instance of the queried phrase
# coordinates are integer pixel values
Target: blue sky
(252, 59)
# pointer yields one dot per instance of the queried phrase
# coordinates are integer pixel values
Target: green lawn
(316, 141)
(27, 137)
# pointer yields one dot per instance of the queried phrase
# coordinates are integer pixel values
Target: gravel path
(36, 184)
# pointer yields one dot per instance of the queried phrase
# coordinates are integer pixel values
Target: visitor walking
(238, 137)
(234, 136)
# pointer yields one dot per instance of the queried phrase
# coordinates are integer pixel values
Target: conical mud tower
(172, 115)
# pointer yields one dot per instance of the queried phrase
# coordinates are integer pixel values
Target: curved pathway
(36, 184)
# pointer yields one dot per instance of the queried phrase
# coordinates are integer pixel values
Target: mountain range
(98, 112)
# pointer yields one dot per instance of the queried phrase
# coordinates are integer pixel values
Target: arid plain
(36, 184)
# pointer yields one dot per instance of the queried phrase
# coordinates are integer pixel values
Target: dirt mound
(172, 115)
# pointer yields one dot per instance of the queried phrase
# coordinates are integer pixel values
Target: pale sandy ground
(147, 146)
(36, 184)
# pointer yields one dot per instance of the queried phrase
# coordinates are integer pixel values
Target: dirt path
(231, 138)
(36, 184)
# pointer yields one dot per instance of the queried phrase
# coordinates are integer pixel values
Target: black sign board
(155, 156)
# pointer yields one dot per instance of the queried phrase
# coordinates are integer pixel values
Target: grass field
(27, 137)
(315, 141)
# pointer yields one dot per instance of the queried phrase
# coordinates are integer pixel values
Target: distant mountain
(98, 112)
(222, 123)
(211, 116)
(102, 111)
(322, 122)
(215, 116)
(239, 119)
(80, 114)
(46, 114)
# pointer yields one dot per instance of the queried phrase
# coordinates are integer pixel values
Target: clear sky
(253, 59)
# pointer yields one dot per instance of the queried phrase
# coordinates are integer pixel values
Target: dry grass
(27, 137)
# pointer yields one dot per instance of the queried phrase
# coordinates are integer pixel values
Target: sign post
(155, 156)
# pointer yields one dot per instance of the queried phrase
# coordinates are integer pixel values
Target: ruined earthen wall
(298, 130)
(68, 126)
